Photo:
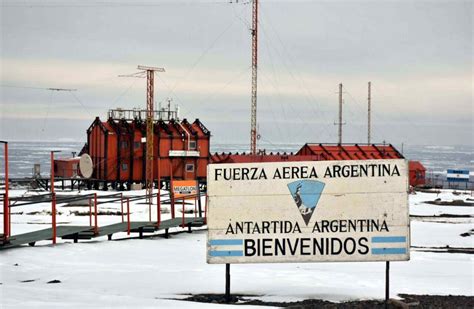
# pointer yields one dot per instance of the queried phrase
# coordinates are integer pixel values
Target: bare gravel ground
(408, 301)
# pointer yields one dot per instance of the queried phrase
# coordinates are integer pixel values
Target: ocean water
(23, 155)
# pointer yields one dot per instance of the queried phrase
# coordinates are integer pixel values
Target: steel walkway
(87, 232)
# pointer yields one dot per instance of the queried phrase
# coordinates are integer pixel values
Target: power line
(204, 53)
(309, 98)
(115, 4)
(80, 102)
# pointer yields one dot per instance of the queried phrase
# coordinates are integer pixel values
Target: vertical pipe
(53, 199)
(171, 190)
(340, 115)
(6, 203)
(96, 227)
(128, 216)
(9, 219)
(97, 152)
(119, 152)
(132, 158)
(158, 195)
(121, 205)
(90, 212)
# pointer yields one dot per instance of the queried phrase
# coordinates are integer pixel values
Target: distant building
(330, 152)
(417, 173)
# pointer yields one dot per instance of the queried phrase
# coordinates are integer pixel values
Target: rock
(395, 303)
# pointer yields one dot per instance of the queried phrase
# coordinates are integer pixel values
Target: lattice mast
(253, 116)
(150, 90)
(150, 81)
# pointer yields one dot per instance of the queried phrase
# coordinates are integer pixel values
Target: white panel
(348, 211)
(184, 153)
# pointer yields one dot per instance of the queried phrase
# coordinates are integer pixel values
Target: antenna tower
(150, 90)
(369, 109)
(340, 123)
(253, 116)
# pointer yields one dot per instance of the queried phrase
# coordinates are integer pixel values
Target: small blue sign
(457, 175)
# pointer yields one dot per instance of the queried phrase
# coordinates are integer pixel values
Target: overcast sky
(417, 54)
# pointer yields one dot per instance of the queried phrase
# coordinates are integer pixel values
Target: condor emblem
(306, 194)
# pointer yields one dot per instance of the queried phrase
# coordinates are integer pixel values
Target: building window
(189, 168)
(124, 144)
(192, 145)
(124, 166)
(137, 145)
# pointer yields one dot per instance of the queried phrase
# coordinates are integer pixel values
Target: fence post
(128, 216)
(53, 213)
(158, 195)
(195, 206)
(9, 219)
(182, 222)
(171, 192)
(96, 227)
(90, 212)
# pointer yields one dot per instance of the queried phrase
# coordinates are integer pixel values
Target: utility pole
(169, 108)
(340, 123)
(368, 113)
(253, 116)
(6, 201)
(53, 197)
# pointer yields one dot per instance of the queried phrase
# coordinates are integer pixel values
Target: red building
(417, 173)
(67, 167)
(118, 149)
(325, 152)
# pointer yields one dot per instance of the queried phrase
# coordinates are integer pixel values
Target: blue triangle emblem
(306, 194)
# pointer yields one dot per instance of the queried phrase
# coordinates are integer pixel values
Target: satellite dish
(86, 167)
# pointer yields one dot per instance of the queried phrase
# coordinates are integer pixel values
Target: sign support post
(227, 283)
(199, 201)
(387, 283)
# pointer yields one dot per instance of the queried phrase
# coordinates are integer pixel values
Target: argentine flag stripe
(226, 253)
(389, 251)
(226, 242)
(388, 239)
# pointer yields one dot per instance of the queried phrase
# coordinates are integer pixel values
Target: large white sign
(308, 212)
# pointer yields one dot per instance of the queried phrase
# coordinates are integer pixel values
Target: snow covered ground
(152, 272)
